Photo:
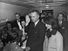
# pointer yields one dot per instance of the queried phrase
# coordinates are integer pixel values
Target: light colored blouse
(55, 42)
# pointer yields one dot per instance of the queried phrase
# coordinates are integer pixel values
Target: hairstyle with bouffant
(51, 21)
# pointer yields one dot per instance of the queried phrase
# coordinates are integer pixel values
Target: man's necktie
(33, 24)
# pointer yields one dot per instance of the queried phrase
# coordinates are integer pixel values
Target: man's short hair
(17, 13)
(35, 11)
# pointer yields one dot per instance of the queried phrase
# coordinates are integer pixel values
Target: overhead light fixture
(47, 6)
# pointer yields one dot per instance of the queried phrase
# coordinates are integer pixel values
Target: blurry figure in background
(1, 45)
(9, 26)
(43, 17)
(23, 38)
(55, 39)
(61, 18)
(5, 34)
(24, 23)
(50, 14)
(17, 22)
(9, 31)
(17, 35)
(67, 17)
(63, 28)
(0, 33)
(13, 44)
(4, 37)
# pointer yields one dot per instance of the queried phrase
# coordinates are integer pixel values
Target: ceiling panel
(15, 2)
(35, 3)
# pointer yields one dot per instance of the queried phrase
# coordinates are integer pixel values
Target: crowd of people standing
(47, 35)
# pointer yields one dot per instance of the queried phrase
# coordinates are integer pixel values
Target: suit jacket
(36, 36)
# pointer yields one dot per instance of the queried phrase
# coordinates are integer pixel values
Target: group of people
(9, 34)
(44, 36)
(47, 35)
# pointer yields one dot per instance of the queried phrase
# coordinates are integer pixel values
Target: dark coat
(36, 36)
(15, 24)
(65, 34)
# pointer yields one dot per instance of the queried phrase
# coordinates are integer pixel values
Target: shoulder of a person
(42, 23)
(14, 20)
(30, 24)
(21, 16)
(58, 34)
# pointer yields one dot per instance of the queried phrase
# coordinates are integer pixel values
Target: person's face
(60, 17)
(9, 25)
(48, 26)
(1, 44)
(23, 23)
(14, 35)
(34, 16)
(17, 16)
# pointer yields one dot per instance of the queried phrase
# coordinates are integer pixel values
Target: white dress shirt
(36, 22)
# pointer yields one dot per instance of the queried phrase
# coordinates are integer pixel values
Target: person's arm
(59, 41)
(27, 20)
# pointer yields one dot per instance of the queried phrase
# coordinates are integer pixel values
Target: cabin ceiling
(35, 3)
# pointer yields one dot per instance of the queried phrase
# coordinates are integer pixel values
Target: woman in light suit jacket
(55, 39)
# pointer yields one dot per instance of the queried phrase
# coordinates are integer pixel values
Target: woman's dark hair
(52, 22)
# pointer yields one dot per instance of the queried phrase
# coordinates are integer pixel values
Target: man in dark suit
(36, 33)
(17, 22)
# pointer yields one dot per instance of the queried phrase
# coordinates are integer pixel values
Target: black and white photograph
(33, 25)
